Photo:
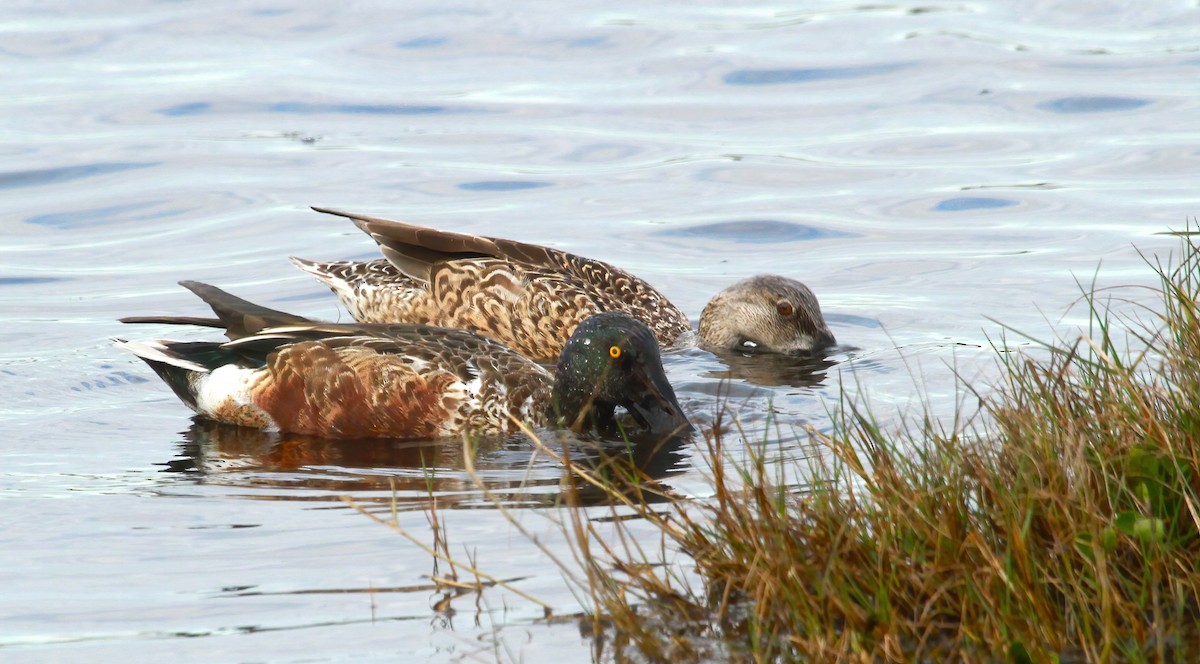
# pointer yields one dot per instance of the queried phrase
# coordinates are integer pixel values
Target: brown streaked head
(766, 313)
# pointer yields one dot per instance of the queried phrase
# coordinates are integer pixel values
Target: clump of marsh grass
(1063, 523)
(1060, 523)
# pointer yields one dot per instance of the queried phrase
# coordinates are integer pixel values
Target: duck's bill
(656, 408)
(809, 345)
(822, 342)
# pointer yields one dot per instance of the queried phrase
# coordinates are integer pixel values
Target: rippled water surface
(923, 167)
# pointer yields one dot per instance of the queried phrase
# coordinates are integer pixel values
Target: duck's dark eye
(614, 352)
(784, 308)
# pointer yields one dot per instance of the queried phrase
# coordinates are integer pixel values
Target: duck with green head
(290, 374)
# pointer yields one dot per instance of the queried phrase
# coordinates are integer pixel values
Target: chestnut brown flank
(352, 392)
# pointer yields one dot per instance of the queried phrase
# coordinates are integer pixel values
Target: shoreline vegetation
(1061, 522)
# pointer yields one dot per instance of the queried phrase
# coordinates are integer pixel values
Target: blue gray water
(923, 167)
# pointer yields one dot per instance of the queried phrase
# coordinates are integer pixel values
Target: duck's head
(612, 360)
(767, 313)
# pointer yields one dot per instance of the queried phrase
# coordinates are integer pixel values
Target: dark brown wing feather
(240, 318)
(420, 244)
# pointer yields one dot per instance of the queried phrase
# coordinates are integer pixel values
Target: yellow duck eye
(614, 352)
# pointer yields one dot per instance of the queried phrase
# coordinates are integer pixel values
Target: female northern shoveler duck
(288, 373)
(531, 298)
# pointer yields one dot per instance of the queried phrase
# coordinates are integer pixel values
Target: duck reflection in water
(413, 473)
(772, 370)
(801, 368)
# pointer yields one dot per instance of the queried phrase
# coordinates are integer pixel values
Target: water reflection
(772, 370)
(512, 469)
(213, 448)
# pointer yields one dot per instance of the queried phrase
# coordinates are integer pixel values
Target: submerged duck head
(612, 360)
(766, 313)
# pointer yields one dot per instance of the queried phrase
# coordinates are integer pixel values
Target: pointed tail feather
(160, 352)
(171, 365)
(315, 268)
(241, 318)
(333, 275)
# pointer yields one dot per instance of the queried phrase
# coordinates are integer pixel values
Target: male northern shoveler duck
(531, 298)
(284, 372)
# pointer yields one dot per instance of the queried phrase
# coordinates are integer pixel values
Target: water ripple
(109, 214)
(935, 148)
(963, 203)
(781, 76)
(28, 281)
(306, 108)
(503, 185)
(759, 231)
(1092, 104)
(422, 42)
(182, 110)
(17, 179)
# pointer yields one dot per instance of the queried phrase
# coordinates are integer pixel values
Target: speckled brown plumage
(529, 297)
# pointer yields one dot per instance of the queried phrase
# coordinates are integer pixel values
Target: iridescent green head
(612, 361)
